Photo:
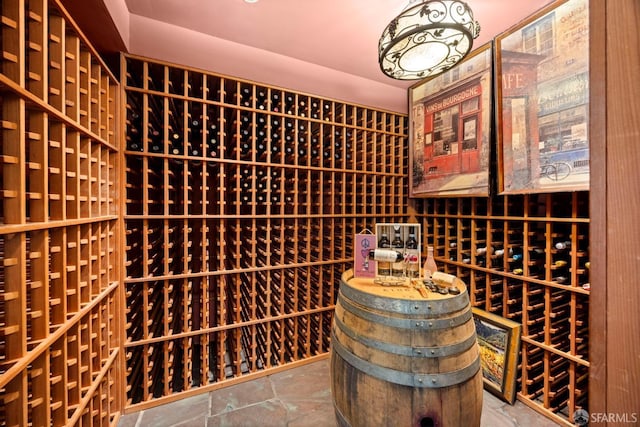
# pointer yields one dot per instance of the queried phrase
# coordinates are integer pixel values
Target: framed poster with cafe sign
(450, 129)
(542, 95)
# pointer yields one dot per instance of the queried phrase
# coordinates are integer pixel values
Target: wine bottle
(397, 268)
(386, 255)
(289, 125)
(411, 256)
(246, 97)
(289, 106)
(134, 127)
(212, 147)
(261, 148)
(261, 99)
(245, 150)
(134, 144)
(289, 149)
(562, 246)
(314, 110)
(482, 251)
(176, 144)
(155, 145)
(194, 149)
(430, 265)
(327, 112)
(384, 267)
(275, 101)
(302, 154)
(302, 108)
(348, 151)
(195, 131)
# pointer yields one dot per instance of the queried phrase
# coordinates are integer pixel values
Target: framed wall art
(450, 126)
(499, 342)
(542, 95)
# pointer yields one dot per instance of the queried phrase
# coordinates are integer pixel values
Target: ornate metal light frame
(427, 39)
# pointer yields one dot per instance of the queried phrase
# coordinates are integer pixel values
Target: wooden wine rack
(242, 201)
(524, 277)
(59, 227)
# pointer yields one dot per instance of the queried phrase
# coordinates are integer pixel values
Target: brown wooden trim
(614, 382)
(623, 204)
(96, 23)
(598, 209)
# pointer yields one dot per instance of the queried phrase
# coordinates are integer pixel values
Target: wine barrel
(404, 356)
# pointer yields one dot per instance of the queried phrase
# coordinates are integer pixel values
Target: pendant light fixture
(427, 38)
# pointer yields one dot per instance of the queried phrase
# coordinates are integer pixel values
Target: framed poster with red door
(542, 101)
(450, 129)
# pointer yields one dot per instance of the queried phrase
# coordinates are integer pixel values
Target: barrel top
(407, 289)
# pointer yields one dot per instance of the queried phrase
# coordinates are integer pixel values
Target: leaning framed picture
(542, 96)
(450, 129)
(499, 342)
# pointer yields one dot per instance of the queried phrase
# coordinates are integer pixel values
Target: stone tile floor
(297, 397)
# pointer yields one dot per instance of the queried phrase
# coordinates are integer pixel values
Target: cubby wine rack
(59, 227)
(526, 258)
(242, 200)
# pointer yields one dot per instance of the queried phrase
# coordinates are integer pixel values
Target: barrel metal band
(406, 378)
(403, 350)
(394, 305)
(406, 323)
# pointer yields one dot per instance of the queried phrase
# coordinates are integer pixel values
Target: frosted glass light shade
(427, 39)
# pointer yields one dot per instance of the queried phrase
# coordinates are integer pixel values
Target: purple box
(364, 267)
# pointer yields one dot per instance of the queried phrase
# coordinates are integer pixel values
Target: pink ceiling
(338, 38)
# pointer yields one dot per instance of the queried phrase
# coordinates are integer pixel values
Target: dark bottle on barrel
(411, 256)
(397, 268)
(384, 267)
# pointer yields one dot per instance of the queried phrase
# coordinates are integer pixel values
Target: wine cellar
(168, 230)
